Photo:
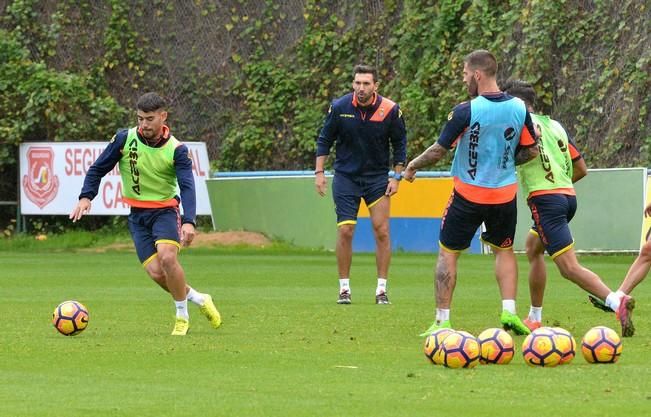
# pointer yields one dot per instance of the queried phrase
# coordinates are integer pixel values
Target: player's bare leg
(155, 272)
(506, 272)
(636, 274)
(445, 280)
(638, 270)
(570, 268)
(204, 301)
(171, 270)
(620, 303)
(344, 253)
(380, 221)
(445, 277)
(537, 269)
(175, 281)
(537, 280)
(344, 248)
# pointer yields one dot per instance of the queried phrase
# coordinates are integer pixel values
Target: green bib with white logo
(553, 168)
(148, 173)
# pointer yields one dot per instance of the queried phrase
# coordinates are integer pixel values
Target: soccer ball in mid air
(601, 345)
(540, 349)
(566, 344)
(433, 343)
(495, 346)
(458, 350)
(70, 318)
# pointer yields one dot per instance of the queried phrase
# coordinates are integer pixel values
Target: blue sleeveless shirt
(485, 152)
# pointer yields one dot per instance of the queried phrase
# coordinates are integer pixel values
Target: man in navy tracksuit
(368, 130)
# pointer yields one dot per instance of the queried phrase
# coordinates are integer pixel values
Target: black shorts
(462, 218)
(551, 214)
(149, 227)
(347, 193)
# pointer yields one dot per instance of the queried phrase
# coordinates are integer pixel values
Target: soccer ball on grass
(540, 348)
(601, 345)
(70, 318)
(566, 344)
(433, 343)
(458, 350)
(495, 346)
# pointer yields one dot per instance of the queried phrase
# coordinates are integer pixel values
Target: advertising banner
(52, 174)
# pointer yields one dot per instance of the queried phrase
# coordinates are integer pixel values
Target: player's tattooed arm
(523, 155)
(432, 155)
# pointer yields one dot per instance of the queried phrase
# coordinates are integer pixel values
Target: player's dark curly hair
(149, 102)
(520, 89)
(365, 69)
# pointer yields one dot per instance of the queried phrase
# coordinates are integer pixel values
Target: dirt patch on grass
(202, 240)
(231, 239)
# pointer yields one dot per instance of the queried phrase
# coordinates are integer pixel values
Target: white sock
(182, 309)
(196, 297)
(344, 285)
(508, 305)
(381, 286)
(613, 300)
(442, 314)
(535, 313)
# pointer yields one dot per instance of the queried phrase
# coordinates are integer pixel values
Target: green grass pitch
(286, 348)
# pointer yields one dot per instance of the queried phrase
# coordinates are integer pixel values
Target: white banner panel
(52, 174)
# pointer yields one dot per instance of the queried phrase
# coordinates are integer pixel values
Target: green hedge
(590, 61)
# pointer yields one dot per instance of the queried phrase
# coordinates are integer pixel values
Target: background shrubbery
(253, 79)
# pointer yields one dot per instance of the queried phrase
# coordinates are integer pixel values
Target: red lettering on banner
(77, 161)
(87, 160)
(68, 156)
(118, 197)
(107, 200)
(112, 195)
(196, 163)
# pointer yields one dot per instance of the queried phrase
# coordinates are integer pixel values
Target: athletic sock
(381, 286)
(196, 297)
(613, 301)
(442, 314)
(508, 305)
(182, 309)
(535, 313)
(344, 285)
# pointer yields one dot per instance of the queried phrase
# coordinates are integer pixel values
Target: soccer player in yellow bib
(548, 184)
(152, 162)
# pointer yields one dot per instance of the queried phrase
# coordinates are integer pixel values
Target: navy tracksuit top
(364, 136)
